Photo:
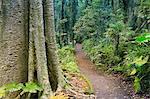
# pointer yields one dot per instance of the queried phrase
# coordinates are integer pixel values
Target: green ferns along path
(105, 86)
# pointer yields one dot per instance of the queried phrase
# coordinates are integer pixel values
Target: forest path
(105, 86)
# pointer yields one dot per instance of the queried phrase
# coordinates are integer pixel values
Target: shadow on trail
(105, 86)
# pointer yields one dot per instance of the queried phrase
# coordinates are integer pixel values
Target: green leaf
(133, 72)
(140, 61)
(14, 87)
(143, 38)
(2, 92)
(32, 87)
(118, 68)
(137, 85)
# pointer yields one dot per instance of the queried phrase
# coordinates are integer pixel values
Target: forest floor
(105, 86)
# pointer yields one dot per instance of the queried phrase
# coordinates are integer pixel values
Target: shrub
(136, 65)
(101, 54)
(133, 59)
(68, 62)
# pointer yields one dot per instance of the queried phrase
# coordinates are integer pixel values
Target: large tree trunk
(13, 42)
(27, 44)
(37, 29)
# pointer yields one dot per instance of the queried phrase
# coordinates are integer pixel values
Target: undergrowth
(23, 89)
(74, 79)
(76, 83)
(132, 59)
(68, 62)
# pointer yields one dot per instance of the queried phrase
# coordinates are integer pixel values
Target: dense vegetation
(75, 81)
(114, 33)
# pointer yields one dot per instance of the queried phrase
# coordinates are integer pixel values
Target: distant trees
(133, 13)
(115, 35)
(66, 12)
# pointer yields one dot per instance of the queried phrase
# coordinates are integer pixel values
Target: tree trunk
(37, 29)
(13, 42)
(27, 44)
(53, 62)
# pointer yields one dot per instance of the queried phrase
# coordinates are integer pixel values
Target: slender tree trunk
(53, 62)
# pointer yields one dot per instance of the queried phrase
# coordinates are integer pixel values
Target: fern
(29, 87)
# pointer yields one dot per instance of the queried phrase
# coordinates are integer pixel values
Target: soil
(105, 86)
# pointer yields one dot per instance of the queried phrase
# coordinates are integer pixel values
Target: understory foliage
(74, 79)
(114, 42)
(71, 74)
(27, 88)
(102, 54)
(133, 60)
(68, 63)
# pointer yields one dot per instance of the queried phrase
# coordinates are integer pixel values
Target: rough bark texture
(0, 18)
(13, 48)
(27, 44)
(53, 63)
(37, 29)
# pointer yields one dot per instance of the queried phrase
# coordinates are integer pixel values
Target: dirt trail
(105, 86)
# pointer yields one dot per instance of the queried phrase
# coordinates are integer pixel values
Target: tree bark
(37, 29)
(53, 62)
(27, 44)
(13, 46)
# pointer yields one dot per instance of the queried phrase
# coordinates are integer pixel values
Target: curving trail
(105, 86)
